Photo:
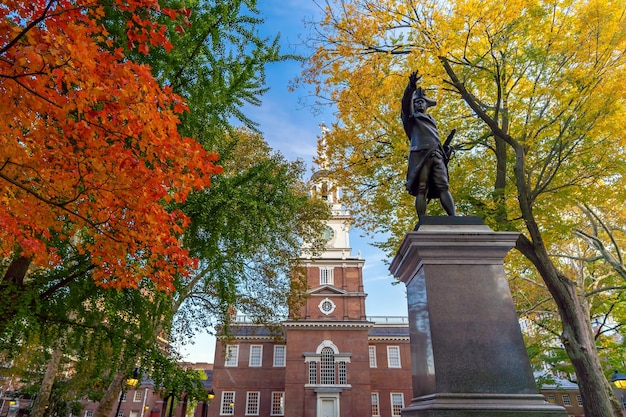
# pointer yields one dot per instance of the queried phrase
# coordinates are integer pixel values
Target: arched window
(327, 366)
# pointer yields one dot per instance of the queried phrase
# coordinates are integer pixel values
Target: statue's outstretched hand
(414, 77)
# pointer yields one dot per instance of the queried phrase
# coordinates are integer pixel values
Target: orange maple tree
(90, 153)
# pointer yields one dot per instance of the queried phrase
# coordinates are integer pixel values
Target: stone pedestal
(467, 352)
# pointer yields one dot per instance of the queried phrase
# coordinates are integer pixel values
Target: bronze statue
(427, 173)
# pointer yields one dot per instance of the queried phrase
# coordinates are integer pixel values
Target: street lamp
(131, 382)
(205, 407)
(619, 380)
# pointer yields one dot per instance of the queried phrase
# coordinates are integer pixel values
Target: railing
(376, 319)
(389, 319)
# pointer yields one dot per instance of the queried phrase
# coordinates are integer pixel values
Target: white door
(328, 407)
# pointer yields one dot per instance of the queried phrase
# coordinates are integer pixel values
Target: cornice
(388, 339)
(346, 262)
(251, 338)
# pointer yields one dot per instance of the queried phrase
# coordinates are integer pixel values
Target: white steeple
(322, 186)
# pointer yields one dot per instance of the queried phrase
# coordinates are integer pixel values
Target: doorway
(327, 406)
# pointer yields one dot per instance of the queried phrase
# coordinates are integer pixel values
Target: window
(393, 357)
(256, 355)
(579, 399)
(137, 397)
(278, 404)
(279, 355)
(397, 403)
(252, 403)
(232, 355)
(343, 373)
(372, 350)
(326, 276)
(551, 398)
(566, 400)
(327, 366)
(123, 396)
(89, 413)
(326, 306)
(375, 404)
(312, 372)
(228, 403)
(120, 413)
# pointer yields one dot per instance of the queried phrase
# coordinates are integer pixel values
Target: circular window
(327, 306)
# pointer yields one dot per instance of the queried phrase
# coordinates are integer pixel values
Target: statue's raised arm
(406, 99)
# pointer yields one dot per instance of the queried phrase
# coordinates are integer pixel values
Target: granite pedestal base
(467, 352)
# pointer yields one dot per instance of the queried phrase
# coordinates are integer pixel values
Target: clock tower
(328, 336)
(334, 277)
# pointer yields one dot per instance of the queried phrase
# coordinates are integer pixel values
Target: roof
(389, 331)
(547, 381)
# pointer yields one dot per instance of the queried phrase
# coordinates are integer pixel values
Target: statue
(427, 173)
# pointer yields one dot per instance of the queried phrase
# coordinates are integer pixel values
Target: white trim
(327, 300)
(284, 356)
(389, 357)
(334, 396)
(231, 358)
(391, 395)
(327, 343)
(371, 353)
(260, 357)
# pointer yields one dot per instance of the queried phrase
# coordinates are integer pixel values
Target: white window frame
(280, 356)
(231, 359)
(225, 408)
(312, 373)
(256, 356)
(551, 399)
(372, 356)
(88, 413)
(278, 403)
(328, 369)
(137, 397)
(393, 354)
(579, 399)
(375, 404)
(397, 400)
(253, 401)
(120, 413)
(342, 373)
(327, 275)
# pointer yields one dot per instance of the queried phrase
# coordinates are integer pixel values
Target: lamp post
(171, 403)
(131, 382)
(619, 380)
(205, 407)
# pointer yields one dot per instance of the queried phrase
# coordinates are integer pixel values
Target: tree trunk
(110, 397)
(577, 337)
(43, 396)
(12, 290)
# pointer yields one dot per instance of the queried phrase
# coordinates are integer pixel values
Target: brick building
(327, 360)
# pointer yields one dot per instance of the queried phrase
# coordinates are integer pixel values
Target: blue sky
(292, 128)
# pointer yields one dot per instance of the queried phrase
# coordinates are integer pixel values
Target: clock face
(326, 306)
(328, 234)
